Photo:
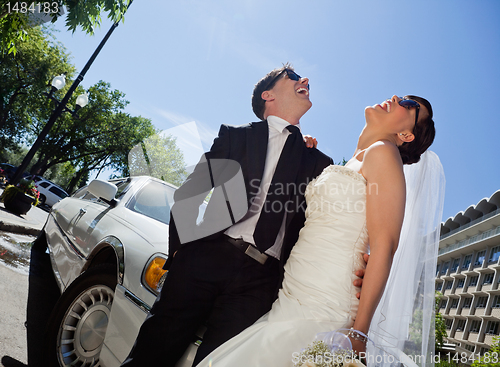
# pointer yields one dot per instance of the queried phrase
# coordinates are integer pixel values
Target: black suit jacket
(246, 145)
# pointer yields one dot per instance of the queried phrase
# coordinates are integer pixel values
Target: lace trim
(335, 168)
(345, 171)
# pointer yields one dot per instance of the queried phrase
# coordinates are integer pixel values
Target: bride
(349, 208)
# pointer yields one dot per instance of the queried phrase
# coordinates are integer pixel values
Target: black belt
(248, 249)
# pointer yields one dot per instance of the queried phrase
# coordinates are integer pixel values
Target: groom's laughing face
(289, 98)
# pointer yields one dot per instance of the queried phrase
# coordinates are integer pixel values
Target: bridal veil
(402, 328)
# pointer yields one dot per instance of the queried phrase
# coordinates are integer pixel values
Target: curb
(14, 228)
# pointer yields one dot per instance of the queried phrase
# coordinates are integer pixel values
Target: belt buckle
(256, 254)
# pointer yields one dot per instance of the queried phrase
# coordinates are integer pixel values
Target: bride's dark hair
(424, 133)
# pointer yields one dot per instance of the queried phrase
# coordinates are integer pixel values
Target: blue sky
(197, 60)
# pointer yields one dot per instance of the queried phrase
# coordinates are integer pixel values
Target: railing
(481, 312)
(467, 225)
(469, 241)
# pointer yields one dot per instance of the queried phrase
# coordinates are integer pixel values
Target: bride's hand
(360, 274)
(358, 347)
(310, 141)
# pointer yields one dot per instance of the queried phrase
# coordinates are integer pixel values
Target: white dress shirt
(245, 228)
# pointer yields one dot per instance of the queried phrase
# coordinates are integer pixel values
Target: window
(492, 327)
(496, 302)
(448, 284)
(494, 255)
(467, 302)
(448, 324)
(437, 269)
(454, 303)
(469, 347)
(480, 258)
(122, 186)
(153, 201)
(454, 267)
(439, 286)
(467, 261)
(473, 281)
(488, 278)
(58, 192)
(474, 326)
(84, 194)
(481, 302)
(44, 184)
(461, 283)
(461, 325)
(443, 304)
(445, 267)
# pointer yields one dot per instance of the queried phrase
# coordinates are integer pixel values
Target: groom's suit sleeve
(197, 185)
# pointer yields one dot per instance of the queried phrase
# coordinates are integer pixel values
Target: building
(468, 274)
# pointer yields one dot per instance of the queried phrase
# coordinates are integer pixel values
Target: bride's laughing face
(391, 117)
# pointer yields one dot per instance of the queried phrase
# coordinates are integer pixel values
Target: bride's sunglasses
(410, 103)
(289, 73)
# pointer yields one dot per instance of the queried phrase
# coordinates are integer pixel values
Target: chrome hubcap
(84, 327)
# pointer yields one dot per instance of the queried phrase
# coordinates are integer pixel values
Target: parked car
(107, 243)
(50, 193)
(10, 169)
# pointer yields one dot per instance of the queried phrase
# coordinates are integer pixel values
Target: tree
(491, 358)
(24, 82)
(439, 322)
(15, 21)
(60, 174)
(101, 136)
(158, 156)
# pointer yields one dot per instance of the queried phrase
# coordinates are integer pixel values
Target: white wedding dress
(318, 294)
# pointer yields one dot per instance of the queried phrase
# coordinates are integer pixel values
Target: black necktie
(281, 189)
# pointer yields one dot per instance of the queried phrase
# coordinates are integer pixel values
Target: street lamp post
(59, 82)
(60, 107)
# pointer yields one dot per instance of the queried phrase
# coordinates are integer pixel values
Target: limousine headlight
(154, 275)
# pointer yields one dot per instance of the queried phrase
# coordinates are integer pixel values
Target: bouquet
(318, 354)
(331, 349)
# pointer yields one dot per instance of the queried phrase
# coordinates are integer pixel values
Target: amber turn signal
(154, 276)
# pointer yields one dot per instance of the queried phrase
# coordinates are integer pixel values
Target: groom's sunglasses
(291, 75)
(410, 103)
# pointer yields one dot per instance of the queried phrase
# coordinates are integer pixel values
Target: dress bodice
(320, 270)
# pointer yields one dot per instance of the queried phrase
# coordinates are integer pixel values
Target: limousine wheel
(78, 324)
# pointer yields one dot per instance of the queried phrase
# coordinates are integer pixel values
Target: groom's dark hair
(266, 83)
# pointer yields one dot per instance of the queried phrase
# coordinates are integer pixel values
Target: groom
(230, 279)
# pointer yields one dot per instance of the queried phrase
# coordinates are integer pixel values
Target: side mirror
(103, 190)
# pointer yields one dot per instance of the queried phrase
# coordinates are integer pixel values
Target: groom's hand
(310, 141)
(360, 274)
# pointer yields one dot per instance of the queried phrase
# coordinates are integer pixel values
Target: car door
(91, 222)
(70, 232)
